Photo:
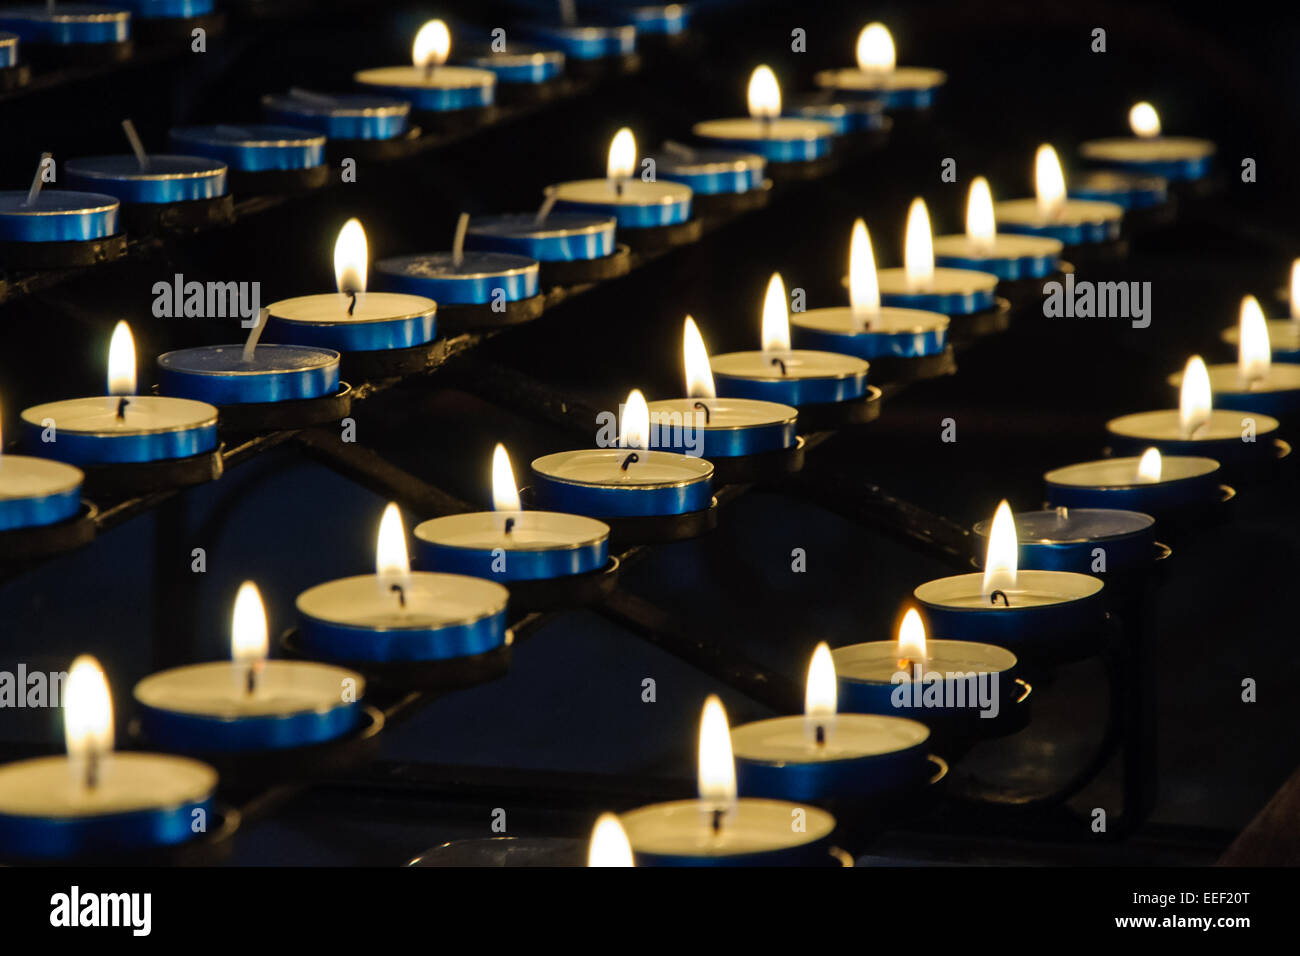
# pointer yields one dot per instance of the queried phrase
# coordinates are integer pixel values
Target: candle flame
(981, 227)
(622, 156)
(391, 560)
(1151, 466)
(1194, 397)
(776, 317)
(1049, 182)
(609, 843)
(1254, 352)
(918, 248)
(87, 711)
(505, 494)
(875, 50)
(695, 359)
(634, 422)
(432, 45)
(1144, 120)
(911, 639)
(248, 642)
(121, 361)
(1000, 560)
(820, 692)
(351, 257)
(864, 284)
(717, 765)
(1295, 290)
(764, 94)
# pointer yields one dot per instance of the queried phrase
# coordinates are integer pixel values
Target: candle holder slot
(191, 215)
(159, 30)
(506, 851)
(901, 370)
(568, 591)
(54, 56)
(455, 122)
(249, 417)
(25, 544)
(146, 477)
(265, 182)
(467, 317)
(388, 363)
(829, 416)
(443, 674)
(661, 529)
(798, 171)
(767, 466)
(567, 272)
(650, 239)
(963, 330)
(718, 205)
(71, 254)
(15, 77)
(1026, 295)
(375, 150)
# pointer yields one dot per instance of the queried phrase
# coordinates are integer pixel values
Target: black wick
(718, 814)
(633, 457)
(821, 735)
(510, 525)
(353, 304)
(704, 408)
(780, 362)
(618, 187)
(92, 769)
(121, 407)
(401, 593)
(251, 681)
(993, 598)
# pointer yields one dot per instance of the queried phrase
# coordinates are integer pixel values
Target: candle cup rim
(73, 477)
(820, 824)
(674, 193)
(207, 421)
(508, 58)
(1264, 424)
(72, 13)
(939, 320)
(930, 643)
(722, 128)
(1096, 211)
(1282, 370)
(827, 376)
(597, 537)
(740, 162)
(215, 168)
(1096, 586)
(101, 203)
(470, 77)
(521, 266)
(882, 80)
(983, 528)
(269, 664)
(595, 225)
(1197, 147)
(848, 719)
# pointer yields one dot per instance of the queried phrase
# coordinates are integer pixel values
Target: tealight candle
(346, 116)
(720, 829)
(261, 156)
(635, 203)
(57, 227)
(878, 75)
(571, 247)
(845, 115)
(1040, 614)
(720, 179)
(1195, 427)
(584, 42)
(520, 68)
(983, 248)
(248, 703)
(121, 427)
(13, 72)
(777, 138)
(1052, 214)
(429, 84)
(94, 802)
(1175, 158)
(398, 614)
(1087, 540)
(1283, 334)
(919, 285)
(1254, 383)
(1154, 484)
(609, 844)
(80, 31)
(659, 19)
(8, 50)
(37, 491)
(510, 544)
(784, 375)
(824, 754)
(1133, 191)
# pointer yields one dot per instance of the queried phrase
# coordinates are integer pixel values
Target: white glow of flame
(820, 693)
(432, 45)
(390, 548)
(1000, 561)
(121, 361)
(609, 843)
(1295, 290)
(1144, 120)
(875, 50)
(864, 285)
(351, 258)
(505, 494)
(1254, 352)
(1194, 397)
(87, 710)
(248, 641)
(764, 94)
(1049, 182)
(695, 359)
(981, 227)
(918, 248)
(911, 638)
(776, 317)
(634, 422)
(717, 765)
(622, 156)
(1150, 467)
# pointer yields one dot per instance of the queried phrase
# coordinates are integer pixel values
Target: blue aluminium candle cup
(253, 147)
(219, 375)
(1112, 483)
(67, 24)
(8, 50)
(37, 491)
(1007, 269)
(60, 215)
(749, 375)
(710, 172)
(661, 209)
(896, 333)
(560, 237)
(945, 303)
(813, 141)
(445, 89)
(168, 9)
(844, 116)
(660, 19)
(380, 321)
(519, 65)
(167, 179)
(583, 483)
(1083, 540)
(584, 42)
(339, 115)
(550, 546)
(1129, 190)
(479, 278)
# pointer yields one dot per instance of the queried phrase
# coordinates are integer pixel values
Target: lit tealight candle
(1254, 383)
(719, 829)
(1096, 540)
(879, 76)
(634, 202)
(510, 544)
(777, 138)
(1150, 152)
(121, 426)
(1039, 614)
(1052, 214)
(1283, 334)
(94, 802)
(398, 614)
(983, 248)
(609, 845)
(37, 491)
(248, 703)
(919, 285)
(1153, 484)
(429, 84)
(824, 754)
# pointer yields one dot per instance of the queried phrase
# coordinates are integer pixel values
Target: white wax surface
(1283, 335)
(532, 531)
(884, 81)
(1032, 589)
(440, 78)
(1281, 377)
(1164, 425)
(22, 476)
(432, 601)
(877, 661)
(724, 413)
(1073, 212)
(145, 414)
(777, 129)
(1005, 245)
(603, 466)
(635, 192)
(888, 320)
(332, 308)
(848, 736)
(1123, 472)
(682, 828)
(945, 282)
(799, 363)
(1136, 149)
(48, 787)
(220, 689)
